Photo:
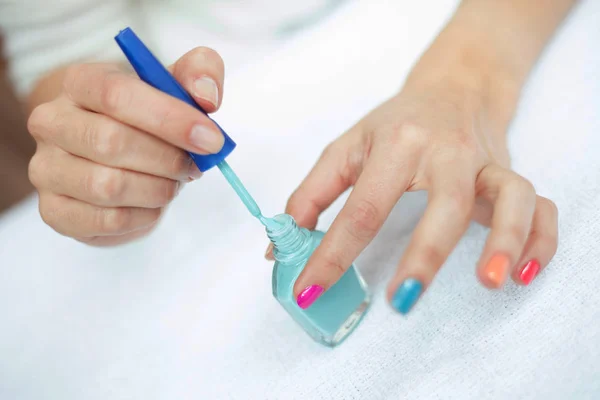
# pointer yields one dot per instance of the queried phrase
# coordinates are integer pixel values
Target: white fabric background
(41, 35)
(188, 313)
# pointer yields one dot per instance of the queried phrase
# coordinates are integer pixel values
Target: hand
(438, 138)
(110, 148)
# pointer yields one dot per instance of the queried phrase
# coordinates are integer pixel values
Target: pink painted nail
(309, 295)
(529, 271)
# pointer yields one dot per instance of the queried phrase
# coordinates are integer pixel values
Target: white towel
(188, 313)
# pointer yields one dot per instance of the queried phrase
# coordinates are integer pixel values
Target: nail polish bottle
(335, 314)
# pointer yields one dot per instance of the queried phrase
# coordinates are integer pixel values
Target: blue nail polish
(407, 295)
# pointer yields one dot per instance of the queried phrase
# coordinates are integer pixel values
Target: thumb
(201, 72)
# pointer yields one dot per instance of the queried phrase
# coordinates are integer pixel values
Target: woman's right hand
(110, 148)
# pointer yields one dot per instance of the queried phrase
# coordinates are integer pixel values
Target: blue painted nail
(407, 295)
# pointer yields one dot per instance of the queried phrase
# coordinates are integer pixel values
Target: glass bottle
(335, 314)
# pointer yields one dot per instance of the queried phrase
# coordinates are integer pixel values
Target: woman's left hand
(443, 137)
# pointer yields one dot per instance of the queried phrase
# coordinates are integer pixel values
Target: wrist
(469, 66)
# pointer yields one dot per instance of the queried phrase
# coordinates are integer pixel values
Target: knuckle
(177, 165)
(465, 143)
(458, 153)
(432, 255)
(165, 117)
(547, 206)
(409, 135)
(336, 153)
(517, 232)
(521, 185)
(107, 185)
(37, 167)
(114, 94)
(329, 151)
(364, 219)
(527, 186)
(333, 265)
(465, 148)
(40, 119)
(58, 215)
(294, 201)
(114, 220)
(548, 241)
(106, 141)
(48, 210)
(459, 201)
(166, 193)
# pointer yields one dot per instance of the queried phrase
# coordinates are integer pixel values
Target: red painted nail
(309, 295)
(529, 271)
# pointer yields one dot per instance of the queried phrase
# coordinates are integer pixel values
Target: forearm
(489, 47)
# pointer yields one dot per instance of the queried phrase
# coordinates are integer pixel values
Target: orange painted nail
(496, 270)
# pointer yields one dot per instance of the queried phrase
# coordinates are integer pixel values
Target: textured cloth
(188, 312)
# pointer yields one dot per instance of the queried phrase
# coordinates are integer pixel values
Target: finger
(115, 240)
(334, 172)
(541, 244)
(269, 256)
(104, 140)
(74, 218)
(109, 91)
(376, 192)
(201, 72)
(514, 203)
(483, 211)
(68, 175)
(445, 220)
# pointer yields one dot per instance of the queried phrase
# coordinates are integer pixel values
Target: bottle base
(349, 325)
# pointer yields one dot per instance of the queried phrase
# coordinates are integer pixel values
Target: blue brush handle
(151, 71)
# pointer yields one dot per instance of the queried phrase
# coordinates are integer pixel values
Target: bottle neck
(291, 244)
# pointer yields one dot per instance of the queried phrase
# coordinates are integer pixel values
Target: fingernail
(309, 296)
(407, 295)
(529, 271)
(496, 270)
(207, 89)
(193, 171)
(206, 139)
(269, 253)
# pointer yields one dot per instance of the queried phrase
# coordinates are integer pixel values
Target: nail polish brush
(151, 71)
